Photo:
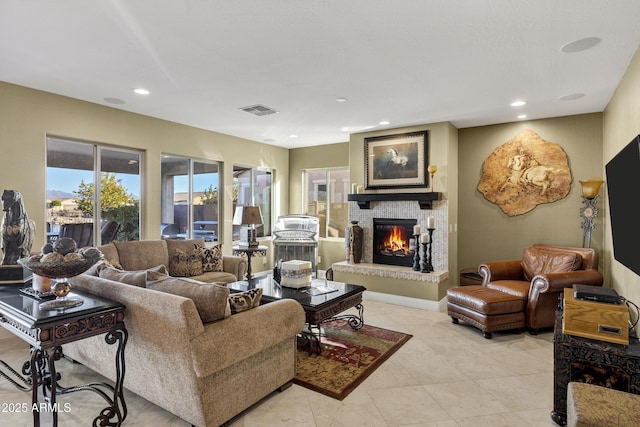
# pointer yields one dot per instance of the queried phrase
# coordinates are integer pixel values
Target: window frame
(268, 227)
(329, 191)
(191, 196)
(97, 150)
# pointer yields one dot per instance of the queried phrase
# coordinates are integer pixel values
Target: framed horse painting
(396, 161)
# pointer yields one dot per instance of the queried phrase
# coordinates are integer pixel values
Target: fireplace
(393, 241)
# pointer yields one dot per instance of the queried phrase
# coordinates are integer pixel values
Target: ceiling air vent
(259, 110)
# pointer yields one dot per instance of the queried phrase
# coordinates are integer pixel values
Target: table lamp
(249, 216)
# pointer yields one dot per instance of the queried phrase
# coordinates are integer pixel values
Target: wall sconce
(250, 216)
(589, 210)
(432, 170)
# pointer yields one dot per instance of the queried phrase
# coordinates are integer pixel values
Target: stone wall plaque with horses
(525, 172)
(396, 161)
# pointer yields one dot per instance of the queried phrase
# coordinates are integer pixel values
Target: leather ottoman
(487, 309)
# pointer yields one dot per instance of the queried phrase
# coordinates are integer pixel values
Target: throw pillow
(246, 300)
(211, 300)
(136, 278)
(185, 264)
(211, 258)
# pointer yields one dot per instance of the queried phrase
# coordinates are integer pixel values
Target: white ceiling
(406, 61)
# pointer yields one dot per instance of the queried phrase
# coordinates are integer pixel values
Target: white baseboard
(406, 301)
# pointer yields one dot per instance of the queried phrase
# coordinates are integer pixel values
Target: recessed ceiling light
(385, 122)
(114, 100)
(293, 136)
(522, 116)
(518, 103)
(580, 45)
(141, 91)
(341, 99)
(571, 97)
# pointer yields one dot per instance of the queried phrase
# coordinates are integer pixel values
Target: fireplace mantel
(423, 199)
(390, 271)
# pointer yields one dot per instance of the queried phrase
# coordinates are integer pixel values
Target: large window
(77, 172)
(325, 196)
(190, 198)
(253, 186)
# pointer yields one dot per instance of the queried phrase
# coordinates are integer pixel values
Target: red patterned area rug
(348, 357)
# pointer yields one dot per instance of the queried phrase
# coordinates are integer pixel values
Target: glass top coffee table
(322, 301)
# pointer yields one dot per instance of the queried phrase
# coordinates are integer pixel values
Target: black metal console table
(46, 332)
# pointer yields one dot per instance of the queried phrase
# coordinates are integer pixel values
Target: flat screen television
(623, 177)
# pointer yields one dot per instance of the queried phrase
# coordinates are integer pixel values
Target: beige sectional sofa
(205, 373)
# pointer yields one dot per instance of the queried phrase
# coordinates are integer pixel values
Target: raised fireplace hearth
(392, 241)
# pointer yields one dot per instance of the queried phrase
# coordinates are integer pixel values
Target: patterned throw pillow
(243, 301)
(183, 264)
(211, 258)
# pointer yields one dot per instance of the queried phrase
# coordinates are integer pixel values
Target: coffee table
(322, 301)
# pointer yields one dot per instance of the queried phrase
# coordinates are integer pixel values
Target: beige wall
(485, 232)
(325, 156)
(27, 116)
(621, 125)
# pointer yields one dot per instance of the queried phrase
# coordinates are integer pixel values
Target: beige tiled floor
(446, 375)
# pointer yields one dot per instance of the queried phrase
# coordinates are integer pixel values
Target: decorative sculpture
(525, 172)
(18, 231)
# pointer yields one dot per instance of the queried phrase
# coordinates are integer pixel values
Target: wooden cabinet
(592, 361)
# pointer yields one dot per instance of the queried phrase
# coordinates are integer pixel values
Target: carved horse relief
(18, 231)
(525, 172)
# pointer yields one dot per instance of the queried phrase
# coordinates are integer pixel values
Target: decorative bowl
(57, 270)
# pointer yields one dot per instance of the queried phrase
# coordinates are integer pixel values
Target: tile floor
(446, 375)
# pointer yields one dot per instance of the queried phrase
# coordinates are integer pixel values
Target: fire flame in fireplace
(395, 243)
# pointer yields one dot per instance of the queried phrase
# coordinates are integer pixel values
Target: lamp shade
(247, 215)
(591, 187)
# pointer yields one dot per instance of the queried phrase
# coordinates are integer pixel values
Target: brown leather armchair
(540, 276)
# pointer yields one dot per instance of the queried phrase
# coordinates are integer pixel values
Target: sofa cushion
(95, 268)
(142, 254)
(135, 278)
(110, 254)
(539, 261)
(211, 258)
(211, 300)
(184, 245)
(517, 288)
(185, 264)
(246, 300)
(220, 277)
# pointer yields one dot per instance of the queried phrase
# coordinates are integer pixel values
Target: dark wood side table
(46, 332)
(592, 361)
(249, 252)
